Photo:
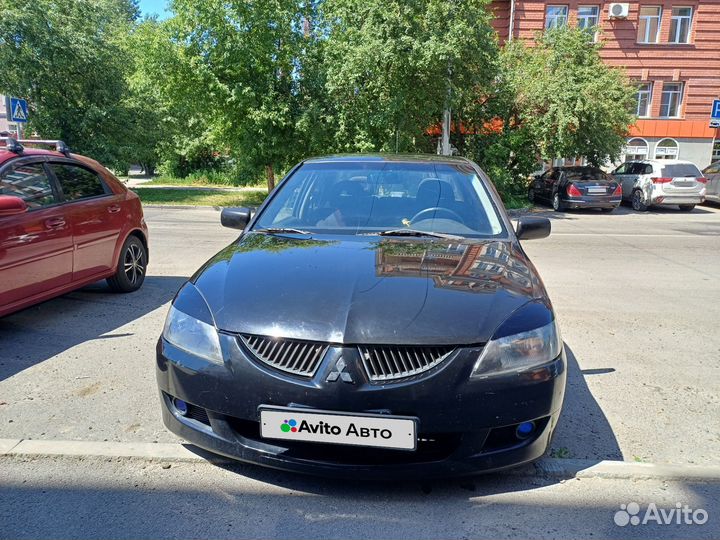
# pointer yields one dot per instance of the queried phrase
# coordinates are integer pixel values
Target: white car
(655, 182)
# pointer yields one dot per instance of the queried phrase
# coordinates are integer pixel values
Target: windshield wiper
(415, 232)
(281, 230)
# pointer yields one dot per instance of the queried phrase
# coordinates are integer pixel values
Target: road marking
(546, 467)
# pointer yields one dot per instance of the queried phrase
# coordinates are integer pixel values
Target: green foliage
(570, 102)
(392, 66)
(67, 58)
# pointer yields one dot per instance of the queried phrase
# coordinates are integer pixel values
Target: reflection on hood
(478, 267)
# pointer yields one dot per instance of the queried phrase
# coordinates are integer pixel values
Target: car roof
(382, 157)
(7, 155)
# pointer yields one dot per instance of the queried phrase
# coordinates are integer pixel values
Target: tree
(393, 66)
(569, 101)
(250, 56)
(66, 58)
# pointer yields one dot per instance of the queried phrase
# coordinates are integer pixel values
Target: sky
(158, 7)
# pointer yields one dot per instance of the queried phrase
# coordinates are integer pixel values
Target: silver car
(712, 173)
(661, 182)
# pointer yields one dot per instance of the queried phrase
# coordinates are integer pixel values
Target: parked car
(661, 182)
(65, 222)
(377, 316)
(712, 189)
(576, 187)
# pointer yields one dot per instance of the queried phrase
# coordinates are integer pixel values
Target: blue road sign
(716, 110)
(17, 111)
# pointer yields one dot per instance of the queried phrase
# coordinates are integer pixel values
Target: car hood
(356, 289)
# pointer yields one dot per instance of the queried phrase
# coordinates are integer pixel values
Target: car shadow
(583, 430)
(42, 331)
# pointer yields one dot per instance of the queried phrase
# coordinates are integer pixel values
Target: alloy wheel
(133, 263)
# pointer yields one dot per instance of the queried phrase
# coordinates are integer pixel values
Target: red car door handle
(55, 223)
(113, 208)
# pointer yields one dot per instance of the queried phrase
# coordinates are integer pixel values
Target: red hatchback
(65, 222)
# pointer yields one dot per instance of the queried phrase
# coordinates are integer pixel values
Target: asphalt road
(93, 498)
(636, 295)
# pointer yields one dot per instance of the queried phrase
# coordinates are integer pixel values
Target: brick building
(670, 48)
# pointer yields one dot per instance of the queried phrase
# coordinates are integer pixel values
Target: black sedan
(377, 317)
(576, 187)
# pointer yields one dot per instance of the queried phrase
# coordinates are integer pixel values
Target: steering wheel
(438, 209)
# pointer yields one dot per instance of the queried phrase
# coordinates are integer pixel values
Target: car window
(622, 169)
(77, 182)
(585, 174)
(680, 170)
(636, 168)
(366, 197)
(712, 169)
(30, 183)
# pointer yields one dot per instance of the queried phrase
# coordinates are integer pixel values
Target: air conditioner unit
(619, 11)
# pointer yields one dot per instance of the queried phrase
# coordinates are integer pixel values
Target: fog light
(180, 406)
(524, 430)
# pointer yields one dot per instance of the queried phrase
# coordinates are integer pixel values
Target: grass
(193, 197)
(200, 180)
(560, 453)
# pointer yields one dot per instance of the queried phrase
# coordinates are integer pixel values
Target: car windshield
(680, 170)
(371, 197)
(586, 174)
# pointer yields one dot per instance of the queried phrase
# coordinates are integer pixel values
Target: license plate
(398, 432)
(597, 190)
(683, 182)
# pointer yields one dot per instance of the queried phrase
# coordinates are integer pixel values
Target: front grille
(389, 362)
(289, 355)
(197, 413)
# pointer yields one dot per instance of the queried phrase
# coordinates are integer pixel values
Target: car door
(712, 173)
(548, 183)
(95, 214)
(620, 175)
(35, 246)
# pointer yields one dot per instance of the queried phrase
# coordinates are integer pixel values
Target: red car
(65, 222)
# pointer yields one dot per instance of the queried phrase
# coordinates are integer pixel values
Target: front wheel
(687, 207)
(131, 267)
(557, 203)
(638, 201)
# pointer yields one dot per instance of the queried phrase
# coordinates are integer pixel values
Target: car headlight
(519, 351)
(189, 325)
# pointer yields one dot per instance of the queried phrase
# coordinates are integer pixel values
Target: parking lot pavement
(91, 498)
(636, 296)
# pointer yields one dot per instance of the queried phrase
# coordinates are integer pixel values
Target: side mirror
(11, 205)
(530, 228)
(235, 218)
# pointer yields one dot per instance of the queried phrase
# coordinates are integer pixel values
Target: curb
(562, 469)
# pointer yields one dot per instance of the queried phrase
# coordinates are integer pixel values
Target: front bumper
(592, 201)
(464, 427)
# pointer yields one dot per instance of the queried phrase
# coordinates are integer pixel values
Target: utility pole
(445, 149)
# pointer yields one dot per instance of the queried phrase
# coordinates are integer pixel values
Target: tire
(687, 207)
(131, 267)
(638, 201)
(557, 204)
(607, 210)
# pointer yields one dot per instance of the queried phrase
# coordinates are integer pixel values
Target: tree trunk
(270, 177)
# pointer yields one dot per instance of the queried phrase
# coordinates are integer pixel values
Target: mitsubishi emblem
(340, 373)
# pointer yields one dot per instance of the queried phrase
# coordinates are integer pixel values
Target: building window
(644, 99)
(680, 25)
(649, 25)
(667, 149)
(636, 150)
(716, 151)
(556, 16)
(588, 19)
(671, 100)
